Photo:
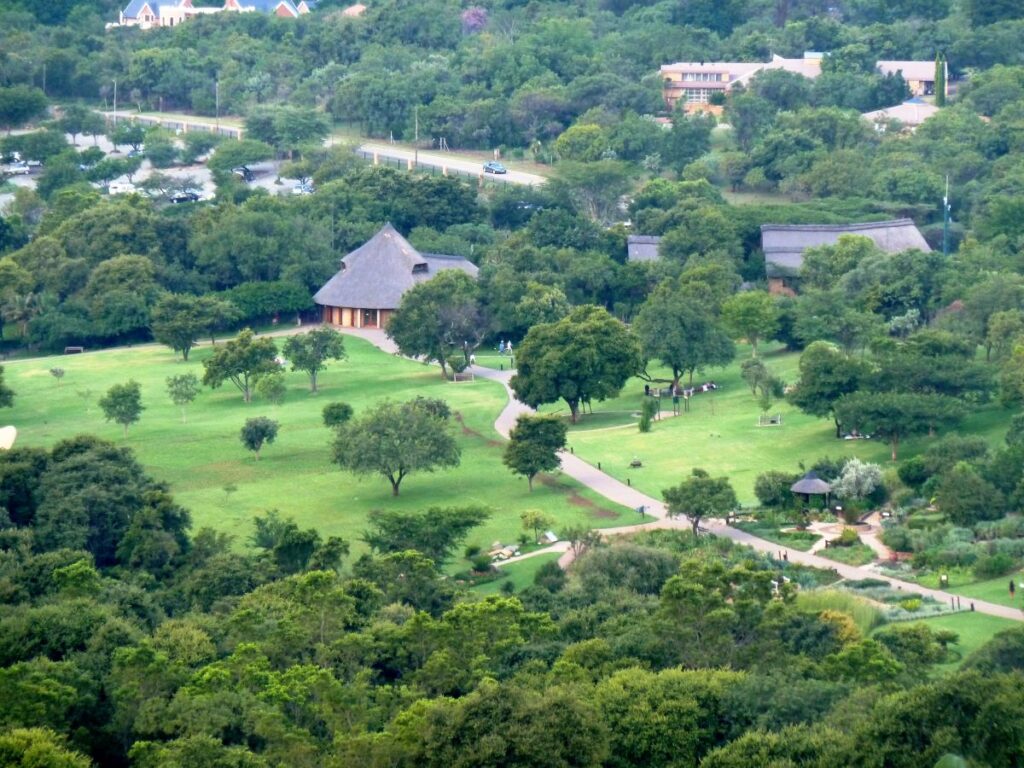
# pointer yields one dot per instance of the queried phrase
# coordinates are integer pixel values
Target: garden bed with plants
(771, 531)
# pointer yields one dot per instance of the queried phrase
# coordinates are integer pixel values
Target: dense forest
(128, 639)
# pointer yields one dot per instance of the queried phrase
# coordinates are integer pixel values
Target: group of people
(505, 347)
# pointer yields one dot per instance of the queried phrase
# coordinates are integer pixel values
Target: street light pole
(115, 103)
(945, 220)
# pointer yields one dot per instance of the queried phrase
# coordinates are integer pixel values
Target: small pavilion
(373, 278)
(811, 485)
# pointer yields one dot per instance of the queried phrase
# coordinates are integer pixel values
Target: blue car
(493, 166)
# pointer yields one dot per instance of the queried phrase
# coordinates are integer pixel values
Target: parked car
(303, 188)
(187, 196)
(17, 169)
(244, 172)
(493, 166)
(140, 152)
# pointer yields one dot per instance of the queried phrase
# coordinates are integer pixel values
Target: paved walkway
(627, 496)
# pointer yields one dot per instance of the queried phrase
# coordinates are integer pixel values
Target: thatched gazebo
(811, 485)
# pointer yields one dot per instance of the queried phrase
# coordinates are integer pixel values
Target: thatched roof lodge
(784, 245)
(374, 277)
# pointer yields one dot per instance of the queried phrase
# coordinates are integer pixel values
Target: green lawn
(295, 475)
(858, 554)
(720, 434)
(802, 540)
(520, 574)
(974, 629)
(962, 582)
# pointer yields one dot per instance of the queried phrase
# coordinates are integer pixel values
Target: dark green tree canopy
(533, 445)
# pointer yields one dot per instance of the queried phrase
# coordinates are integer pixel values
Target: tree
(58, 374)
(336, 414)
(19, 104)
(438, 318)
(965, 497)
(751, 315)
(681, 332)
(940, 80)
(689, 139)
(75, 120)
(127, 132)
(256, 432)
(182, 389)
(586, 356)
(858, 480)
(38, 748)
(271, 387)
(123, 404)
(397, 439)
(894, 416)
(241, 361)
(434, 533)
(6, 393)
(700, 496)
(310, 351)
(536, 520)
(826, 374)
(1005, 329)
(533, 446)
(177, 321)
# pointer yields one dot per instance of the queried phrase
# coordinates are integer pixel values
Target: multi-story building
(148, 14)
(695, 84)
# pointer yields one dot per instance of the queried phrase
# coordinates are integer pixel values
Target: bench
(74, 350)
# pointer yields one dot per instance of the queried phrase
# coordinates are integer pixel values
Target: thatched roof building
(811, 485)
(784, 245)
(375, 276)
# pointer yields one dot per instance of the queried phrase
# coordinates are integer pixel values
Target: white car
(17, 169)
(121, 188)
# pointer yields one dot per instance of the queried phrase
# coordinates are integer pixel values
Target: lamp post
(945, 220)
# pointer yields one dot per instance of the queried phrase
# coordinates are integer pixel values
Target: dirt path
(627, 496)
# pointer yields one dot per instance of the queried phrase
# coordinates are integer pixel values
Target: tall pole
(115, 103)
(216, 97)
(416, 140)
(945, 220)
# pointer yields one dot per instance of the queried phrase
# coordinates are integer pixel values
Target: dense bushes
(772, 488)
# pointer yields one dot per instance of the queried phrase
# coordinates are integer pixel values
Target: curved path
(627, 496)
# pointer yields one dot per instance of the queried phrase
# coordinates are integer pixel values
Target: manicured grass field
(720, 433)
(995, 590)
(974, 629)
(204, 459)
(520, 574)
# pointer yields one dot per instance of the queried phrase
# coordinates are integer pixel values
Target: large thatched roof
(377, 273)
(784, 244)
(812, 484)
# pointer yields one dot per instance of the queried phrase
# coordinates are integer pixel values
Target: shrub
(910, 605)
(913, 471)
(898, 538)
(550, 576)
(647, 411)
(772, 488)
(457, 362)
(847, 538)
(828, 469)
(336, 414)
(481, 563)
(990, 566)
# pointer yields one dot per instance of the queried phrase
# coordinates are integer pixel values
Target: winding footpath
(630, 497)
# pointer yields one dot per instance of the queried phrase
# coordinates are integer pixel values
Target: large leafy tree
(751, 315)
(123, 404)
(894, 416)
(310, 352)
(434, 533)
(241, 361)
(533, 446)
(19, 104)
(257, 432)
(397, 439)
(826, 374)
(438, 318)
(586, 356)
(177, 321)
(700, 496)
(681, 332)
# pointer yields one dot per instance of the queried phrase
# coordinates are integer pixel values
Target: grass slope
(720, 433)
(974, 629)
(295, 474)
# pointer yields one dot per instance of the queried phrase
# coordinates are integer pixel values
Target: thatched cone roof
(812, 484)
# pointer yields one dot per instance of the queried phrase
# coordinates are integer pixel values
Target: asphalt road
(453, 163)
